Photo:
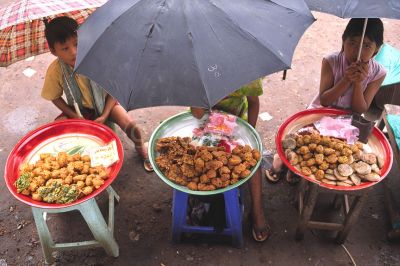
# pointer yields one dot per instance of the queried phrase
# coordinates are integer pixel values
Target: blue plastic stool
(233, 213)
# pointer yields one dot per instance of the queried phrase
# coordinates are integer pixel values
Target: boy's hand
(100, 119)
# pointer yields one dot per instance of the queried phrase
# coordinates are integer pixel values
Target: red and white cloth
(22, 27)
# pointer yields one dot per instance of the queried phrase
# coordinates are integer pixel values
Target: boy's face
(66, 51)
(352, 44)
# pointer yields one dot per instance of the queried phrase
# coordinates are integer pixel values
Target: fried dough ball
(217, 182)
(98, 182)
(87, 190)
(307, 156)
(329, 151)
(234, 160)
(251, 163)
(360, 145)
(354, 148)
(307, 139)
(199, 165)
(224, 170)
(333, 166)
(188, 170)
(304, 150)
(331, 158)
(256, 154)
(211, 173)
(312, 146)
(320, 174)
(346, 152)
(319, 149)
(324, 165)
(239, 168)
(299, 141)
(245, 173)
(306, 170)
(303, 163)
(293, 158)
(311, 162)
(192, 186)
(247, 156)
(213, 164)
(339, 146)
(315, 138)
(343, 159)
(314, 169)
(205, 187)
(188, 159)
(319, 158)
(325, 140)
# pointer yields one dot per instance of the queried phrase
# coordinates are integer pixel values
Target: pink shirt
(338, 63)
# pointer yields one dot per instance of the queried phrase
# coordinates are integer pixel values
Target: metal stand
(102, 232)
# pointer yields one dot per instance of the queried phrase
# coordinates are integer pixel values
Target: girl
(345, 82)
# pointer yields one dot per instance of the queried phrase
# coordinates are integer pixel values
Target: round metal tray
(182, 125)
(53, 137)
(377, 143)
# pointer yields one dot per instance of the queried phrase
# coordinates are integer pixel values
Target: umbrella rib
(251, 35)
(194, 55)
(145, 46)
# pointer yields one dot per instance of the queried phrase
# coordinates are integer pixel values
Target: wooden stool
(102, 232)
(308, 194)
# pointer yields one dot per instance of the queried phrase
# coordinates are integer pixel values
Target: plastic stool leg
(46, 241)
(233, 214)
(95, 220)
(179, 209)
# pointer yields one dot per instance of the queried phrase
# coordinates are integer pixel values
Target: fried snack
(204, 168)
(60, 179)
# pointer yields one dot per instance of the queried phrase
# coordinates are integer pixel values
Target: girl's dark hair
(59, 30)
(374, 30)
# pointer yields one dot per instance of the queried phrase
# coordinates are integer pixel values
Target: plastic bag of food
(338, 127)
(220, 123)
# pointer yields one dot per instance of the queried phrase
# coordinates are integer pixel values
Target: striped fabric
(22, 27)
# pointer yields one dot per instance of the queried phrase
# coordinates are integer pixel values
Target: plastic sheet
(338, 127)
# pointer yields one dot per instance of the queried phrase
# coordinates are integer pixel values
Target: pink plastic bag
(220, 123)
(339, 127)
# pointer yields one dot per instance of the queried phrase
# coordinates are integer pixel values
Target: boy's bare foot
(142, 150)
(274, 174)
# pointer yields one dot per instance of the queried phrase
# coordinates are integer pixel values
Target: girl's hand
(101, 119)
(197, 112)
(361, 71)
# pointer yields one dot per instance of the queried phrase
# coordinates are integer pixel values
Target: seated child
(244, 103)
(345, 82)
(94, 103)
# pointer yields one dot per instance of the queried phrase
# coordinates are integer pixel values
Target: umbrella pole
(362, 39)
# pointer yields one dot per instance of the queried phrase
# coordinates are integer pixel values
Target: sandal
(271, 176)
(147, 165)
(256, 231)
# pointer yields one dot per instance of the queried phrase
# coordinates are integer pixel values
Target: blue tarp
(394, 122)
(389, 57)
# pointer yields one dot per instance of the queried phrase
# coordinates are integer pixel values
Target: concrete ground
(143, 216)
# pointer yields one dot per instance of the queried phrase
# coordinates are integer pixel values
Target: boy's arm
(110, 103)
(253, 110)
(65, 108)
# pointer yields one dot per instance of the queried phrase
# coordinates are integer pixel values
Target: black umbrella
(358, 9)
(187, 52)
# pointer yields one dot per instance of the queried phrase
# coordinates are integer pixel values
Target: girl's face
(351, 46)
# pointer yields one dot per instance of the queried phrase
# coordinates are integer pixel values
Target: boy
(94, 103)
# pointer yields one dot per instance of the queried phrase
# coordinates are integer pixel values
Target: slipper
(147, 165)
(271, 176)
(256, 231)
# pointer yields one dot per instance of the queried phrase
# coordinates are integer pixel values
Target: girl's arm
(329, 93)
(254, 109)
(110, 103)
(65, 108)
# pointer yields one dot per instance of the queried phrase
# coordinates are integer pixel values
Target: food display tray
(182, 125)
(377, 143)
(55, 137)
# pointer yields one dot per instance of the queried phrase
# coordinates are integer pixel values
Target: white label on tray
(104, 155)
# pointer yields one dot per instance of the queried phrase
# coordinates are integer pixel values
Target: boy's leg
(121, 118)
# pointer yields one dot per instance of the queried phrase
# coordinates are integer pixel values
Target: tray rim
(152, 153)
(331, 111)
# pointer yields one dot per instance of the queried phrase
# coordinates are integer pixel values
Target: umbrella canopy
(187, 52)
(22, 27)
(357, 8)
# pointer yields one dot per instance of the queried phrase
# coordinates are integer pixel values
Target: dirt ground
(143, 216)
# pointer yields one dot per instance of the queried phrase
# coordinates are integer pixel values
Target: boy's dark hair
(374, 30)
(59, 30)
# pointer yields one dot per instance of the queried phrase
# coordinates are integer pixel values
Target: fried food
(60, 179)
(204, 168)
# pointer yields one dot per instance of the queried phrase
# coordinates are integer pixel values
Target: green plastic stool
(102, 232)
